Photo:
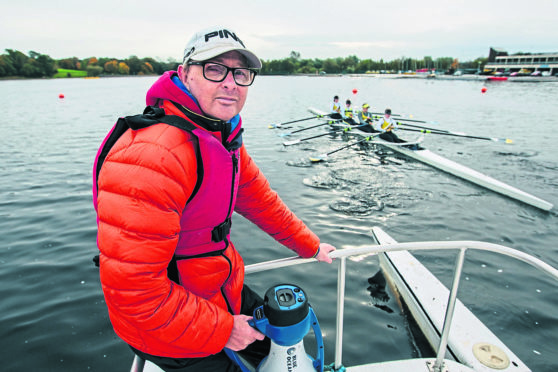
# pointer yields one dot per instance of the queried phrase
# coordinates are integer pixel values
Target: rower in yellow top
(366, 120)
(336, 109)
(348, 116)
(387, 126)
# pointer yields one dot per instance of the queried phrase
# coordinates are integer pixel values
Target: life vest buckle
(220, 232)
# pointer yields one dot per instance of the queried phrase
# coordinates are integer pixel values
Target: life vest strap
(220, 232)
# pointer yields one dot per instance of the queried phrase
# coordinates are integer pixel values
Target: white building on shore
(524, 64)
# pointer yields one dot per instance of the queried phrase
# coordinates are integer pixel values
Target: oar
(434, 129)
(323, 157)
(311, 127)
(505, 140)
(418, 121)
(271, 126)
(289, 143)
(380, 114)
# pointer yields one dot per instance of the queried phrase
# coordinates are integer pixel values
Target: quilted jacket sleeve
(261, 205)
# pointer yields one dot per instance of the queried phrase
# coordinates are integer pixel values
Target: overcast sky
(386, 29)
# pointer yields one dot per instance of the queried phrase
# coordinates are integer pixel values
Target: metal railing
(462, 246)
(342, 254)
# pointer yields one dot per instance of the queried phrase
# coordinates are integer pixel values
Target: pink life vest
(206, 218)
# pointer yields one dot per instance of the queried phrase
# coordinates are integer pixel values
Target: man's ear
(182, 73)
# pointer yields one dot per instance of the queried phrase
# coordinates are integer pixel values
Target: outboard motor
(286, 317)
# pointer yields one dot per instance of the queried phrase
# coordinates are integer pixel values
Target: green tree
(135, 64)
(6, 66)
(349, 64)
(31, 69)
(287, 66)
(68, 63)
(331, 67)
(94, 70)
(294, 55)
(45, 63)
(18, 59)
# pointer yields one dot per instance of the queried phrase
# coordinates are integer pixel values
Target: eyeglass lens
(217, 72)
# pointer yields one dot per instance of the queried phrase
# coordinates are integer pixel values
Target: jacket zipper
(234, 171)
(225, 282)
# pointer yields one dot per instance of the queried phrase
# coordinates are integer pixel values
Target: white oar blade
(289, 143)
(273, 126)
(286, 134)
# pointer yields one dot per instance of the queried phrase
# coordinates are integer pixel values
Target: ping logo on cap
(223, 34)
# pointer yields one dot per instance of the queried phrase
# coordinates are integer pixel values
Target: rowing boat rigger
(428, 157)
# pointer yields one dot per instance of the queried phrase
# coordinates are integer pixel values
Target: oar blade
(505, 140)
(318, 158)
(273, 126)
(290, 143)
(286, 134)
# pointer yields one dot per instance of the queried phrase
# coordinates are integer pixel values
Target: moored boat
(497, 78)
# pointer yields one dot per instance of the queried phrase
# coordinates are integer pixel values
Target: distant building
(500, 62)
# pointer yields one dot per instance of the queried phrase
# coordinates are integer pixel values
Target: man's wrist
(316, 254)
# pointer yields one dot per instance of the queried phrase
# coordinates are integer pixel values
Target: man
(366, 120)
(335, 109)
(386, 125)
(172, 279)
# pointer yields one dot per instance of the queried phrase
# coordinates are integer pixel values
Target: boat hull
(426, 298)
(471, 175)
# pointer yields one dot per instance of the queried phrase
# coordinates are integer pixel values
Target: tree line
(294, 64)
(14, 63)
(36, 65)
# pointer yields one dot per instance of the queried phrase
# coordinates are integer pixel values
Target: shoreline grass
(65, 73)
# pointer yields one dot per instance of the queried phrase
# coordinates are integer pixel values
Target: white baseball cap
(215, 41)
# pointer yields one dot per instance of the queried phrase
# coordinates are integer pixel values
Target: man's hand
(242, 333)
(323, 254)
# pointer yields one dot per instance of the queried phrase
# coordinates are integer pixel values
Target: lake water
(53, 315)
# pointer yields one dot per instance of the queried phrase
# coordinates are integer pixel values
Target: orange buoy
(483, 90)
(355, 91)
(60, 96)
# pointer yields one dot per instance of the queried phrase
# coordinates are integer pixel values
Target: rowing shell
(471, 175)
(466, 173)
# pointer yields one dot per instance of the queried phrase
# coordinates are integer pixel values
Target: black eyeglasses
(217, 72)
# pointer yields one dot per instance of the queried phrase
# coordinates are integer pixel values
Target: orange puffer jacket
(143, 187)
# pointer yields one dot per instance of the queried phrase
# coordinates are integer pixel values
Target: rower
(336, 109)
(348, 115)
(366, 120)
(387, 126)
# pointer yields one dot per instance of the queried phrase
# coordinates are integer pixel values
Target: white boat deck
(409, 365)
